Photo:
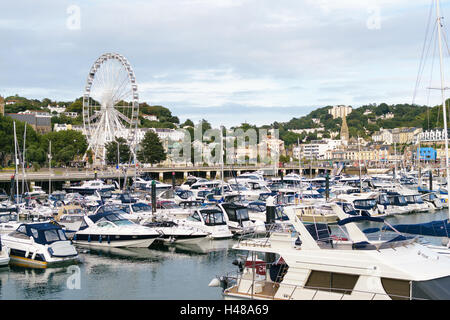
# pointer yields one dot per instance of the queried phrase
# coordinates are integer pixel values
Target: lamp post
(118, 162)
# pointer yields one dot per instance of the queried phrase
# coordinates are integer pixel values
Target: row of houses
(397, 135)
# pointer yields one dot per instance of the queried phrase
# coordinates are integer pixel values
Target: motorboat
(4, 256)
(111, 229)
(211, 220)
(146, 185)
(238, 220)
(363, 203)
(9, 221)
(190, 180)
(173, 233)
(310, 262)
(39, 245)
(89, 187)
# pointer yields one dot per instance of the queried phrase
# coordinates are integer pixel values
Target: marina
(110, 196)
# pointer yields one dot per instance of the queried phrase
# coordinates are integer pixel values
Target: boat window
(435, 289)
(51, 235)
(396, 289)
(365, 204)
(141, 207)
(333, 282)
(194, 217)
(104, 224)
(418, 199)
(126, 209)
(62, 235)
(214, 218)
(35, 233)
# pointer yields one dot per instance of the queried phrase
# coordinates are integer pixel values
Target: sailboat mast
(443, 103)
(23, 159)
(16, 163)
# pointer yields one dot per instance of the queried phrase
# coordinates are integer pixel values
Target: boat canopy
(43, 233)
(439, 228)
(358, 219)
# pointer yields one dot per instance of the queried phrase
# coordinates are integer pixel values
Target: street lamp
(118, 162)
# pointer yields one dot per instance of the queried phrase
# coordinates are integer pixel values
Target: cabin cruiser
(37, 193)
(9, 221)
(211, 220)
(39, 245)
(71, 223)
(363, 203)
(3, 195)
(238, 220)
(173, 233)
(137, 211)
(248, 177)
(111, 229)
(190, 180)
(250, 191)
(311, 263)
(146, 185)
(4, 256)
(416, 202)
(89, 187)
(177, 195)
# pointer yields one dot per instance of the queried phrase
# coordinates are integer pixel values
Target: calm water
(157, 273)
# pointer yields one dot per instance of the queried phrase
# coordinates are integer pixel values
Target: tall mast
(16, 163)
(438, 14)
(23, 159)
(359, 165)
(50, 168)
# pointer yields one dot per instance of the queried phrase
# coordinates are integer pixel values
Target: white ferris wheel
(110, 104)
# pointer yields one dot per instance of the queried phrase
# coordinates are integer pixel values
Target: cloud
(231, 55)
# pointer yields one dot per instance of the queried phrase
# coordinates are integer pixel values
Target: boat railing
(336, 240)
(256, 238)
(233, 281)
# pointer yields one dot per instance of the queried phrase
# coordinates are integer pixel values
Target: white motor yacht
(9, 221)
(111, 229)
(238, 220)
(309, 263)
(39, 245)
(210, 220)
(172, 233)
(89, 187)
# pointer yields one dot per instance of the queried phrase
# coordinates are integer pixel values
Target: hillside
(363, 121)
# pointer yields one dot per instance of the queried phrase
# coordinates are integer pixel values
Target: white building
(340, 111)
(384, 136)
(150, 117)
(317, 149)
(64, 126)
(436, 135)
(56, 109)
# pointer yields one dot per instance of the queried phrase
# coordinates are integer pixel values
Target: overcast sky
(227, 61)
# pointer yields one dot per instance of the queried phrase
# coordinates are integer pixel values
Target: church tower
(344, 131)
(2, 106)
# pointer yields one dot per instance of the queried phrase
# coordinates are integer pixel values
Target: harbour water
(158, 273)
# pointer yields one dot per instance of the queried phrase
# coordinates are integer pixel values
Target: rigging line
(431, 79)
(432, 41)
(423, 50)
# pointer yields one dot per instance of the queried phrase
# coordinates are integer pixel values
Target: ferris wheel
(110, 104)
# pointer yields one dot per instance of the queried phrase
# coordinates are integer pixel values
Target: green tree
(187, 123)
(151, 149)
(111, 151)
(66, 145)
